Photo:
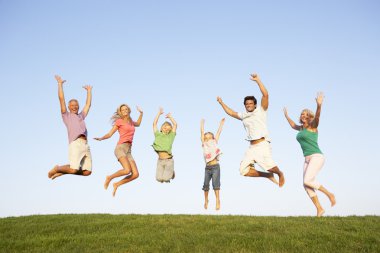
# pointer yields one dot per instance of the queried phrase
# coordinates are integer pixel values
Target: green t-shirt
(163, 142)
(309, 142)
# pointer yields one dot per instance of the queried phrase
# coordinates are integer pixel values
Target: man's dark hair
(250, 98)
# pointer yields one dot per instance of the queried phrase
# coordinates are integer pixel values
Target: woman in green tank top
(314, 159)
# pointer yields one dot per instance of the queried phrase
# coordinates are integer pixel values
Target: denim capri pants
(212, 172)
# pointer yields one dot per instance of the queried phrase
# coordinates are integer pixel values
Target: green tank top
(309, 142)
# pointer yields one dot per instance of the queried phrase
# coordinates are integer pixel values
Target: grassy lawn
(188, 233)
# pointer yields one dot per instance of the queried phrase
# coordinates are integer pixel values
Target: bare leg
(281, 177)
(328, 194)
(58, 171)
(320, 210)
(84, 172)
(125, 171)
(206, 199)
(217, 199)
(127, 179)
(254, 173)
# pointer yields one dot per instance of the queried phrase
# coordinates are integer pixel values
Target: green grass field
(188, 233)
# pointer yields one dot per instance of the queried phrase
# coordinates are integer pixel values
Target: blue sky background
(181, 56)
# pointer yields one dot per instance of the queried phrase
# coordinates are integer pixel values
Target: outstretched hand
(160, 110)
(169, 115)
(285, 111)
(87, 87)
(219, 99)
(139, 109)
(255, 77)
(59, 79)
(98, 139)
(319, 98)
(223, 120)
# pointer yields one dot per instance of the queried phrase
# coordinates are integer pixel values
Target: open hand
(59, 79)
(87, 87)
(139, 109)
(254, 77)
(319, 98)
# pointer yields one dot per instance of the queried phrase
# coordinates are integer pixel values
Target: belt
(257, 141)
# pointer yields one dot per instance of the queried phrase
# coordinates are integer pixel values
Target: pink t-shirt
(126, 130)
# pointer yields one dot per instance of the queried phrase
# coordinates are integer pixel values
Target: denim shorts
(212, 172)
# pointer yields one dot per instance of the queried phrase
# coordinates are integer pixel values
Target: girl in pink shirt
(123, 123)
(211, 153)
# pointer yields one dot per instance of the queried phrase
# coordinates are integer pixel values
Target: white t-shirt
(255, 123)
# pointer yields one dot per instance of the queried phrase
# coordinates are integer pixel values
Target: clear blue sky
(181, 56)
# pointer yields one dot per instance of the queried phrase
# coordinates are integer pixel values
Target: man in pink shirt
(80, 162)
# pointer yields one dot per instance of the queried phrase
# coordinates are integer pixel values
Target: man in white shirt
(255, 123)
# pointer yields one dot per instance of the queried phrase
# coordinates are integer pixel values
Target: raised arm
(264, 92)
(169, 116)
(290, 121)
(202, 130)
(87, 106)
(219, 129)
(108, 135)
(155, 121)
(61, 95)
(138, 122)
(319, 100)
(228, 110)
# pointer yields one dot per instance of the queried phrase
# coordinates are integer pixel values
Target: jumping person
(80, 162)
(163, 142)
(123, 123)
(314, 159)
(211, 153)
(255, 122)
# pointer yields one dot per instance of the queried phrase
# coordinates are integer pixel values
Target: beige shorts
(80, 155)
(261, 154)
(124, 149)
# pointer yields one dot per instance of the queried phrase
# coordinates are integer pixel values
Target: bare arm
(219, 129)
(87, 106)
(264, 92)
(319, 100)
(169, 116)
(108, 135)
(228, 110)
(291, 122)
(61, 95)
(155, 121)
(202, 131)
(138, 122)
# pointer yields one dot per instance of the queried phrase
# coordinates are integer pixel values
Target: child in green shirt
(163, 141)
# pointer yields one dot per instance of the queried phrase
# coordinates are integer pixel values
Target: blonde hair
(209, 134)
(117, 115)
(309, 112)
(166, 123)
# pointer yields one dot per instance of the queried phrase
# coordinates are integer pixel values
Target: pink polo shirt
(126, 131)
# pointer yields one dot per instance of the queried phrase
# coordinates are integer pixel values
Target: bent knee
(135, 175)
(87, 172)
(307, 184)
